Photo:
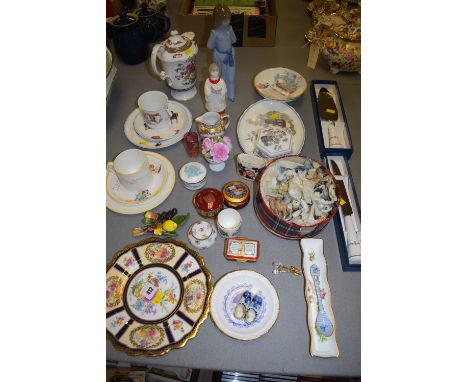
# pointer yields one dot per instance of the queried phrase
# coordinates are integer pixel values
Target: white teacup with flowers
(216, 151)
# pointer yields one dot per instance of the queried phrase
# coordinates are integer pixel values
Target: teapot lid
(124, 19)
(145, 11)
(177, 43)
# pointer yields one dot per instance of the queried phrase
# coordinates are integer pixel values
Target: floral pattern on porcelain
(185, 71)
(147, 336)
(129, 263)
(194, 296)
(159, 253)
(273, 118)
(187, 267)
(178, 326)
(113, 291)
(142, 196)
(152, 295)
(192, 171)
(230, 301)
(117, 321)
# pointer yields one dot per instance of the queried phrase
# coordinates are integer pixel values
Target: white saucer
(158, 135)
(130, 198)
(137, 140)
(226, 294)
(152, 202)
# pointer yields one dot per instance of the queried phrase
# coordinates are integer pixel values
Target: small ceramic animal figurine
(220, 41)
(215, 91)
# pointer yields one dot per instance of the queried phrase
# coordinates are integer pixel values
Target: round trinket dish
(202, 234)
(193, 175)
(236, 194)
(208, 202)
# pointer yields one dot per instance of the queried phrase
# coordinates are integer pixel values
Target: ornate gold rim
(181, 343)
(307, 304)
(286, 99)
(249, 339)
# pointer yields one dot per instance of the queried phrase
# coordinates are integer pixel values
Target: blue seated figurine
(220, 41)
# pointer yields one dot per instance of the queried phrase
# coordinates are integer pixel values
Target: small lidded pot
(228, 222)
(236, 194)
(202, 234)
(208, 202)
(193, 175)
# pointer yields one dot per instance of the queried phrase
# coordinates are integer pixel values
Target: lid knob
(174, 33)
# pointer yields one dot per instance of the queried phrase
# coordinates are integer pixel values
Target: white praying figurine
(215, 91)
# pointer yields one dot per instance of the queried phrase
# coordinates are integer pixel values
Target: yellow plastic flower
(158, 230)
(169, 225)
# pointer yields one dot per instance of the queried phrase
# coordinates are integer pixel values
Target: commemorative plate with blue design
(244, 305)
(157, 296)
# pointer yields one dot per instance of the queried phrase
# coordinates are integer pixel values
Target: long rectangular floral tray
(320, 317)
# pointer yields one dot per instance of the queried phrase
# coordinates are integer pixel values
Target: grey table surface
(285, 349)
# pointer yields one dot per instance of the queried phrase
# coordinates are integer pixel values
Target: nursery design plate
(227, 293)
(178, 129)
(155, 198)
(268, 113)
(157, 296)
(280, 84)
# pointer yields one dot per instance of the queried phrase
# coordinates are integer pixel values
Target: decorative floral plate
(153, 199)
(184, 124)
(312, 256)
(280, 84)
(228, 292)
(157, 296)
(121, 195)
(268, 113)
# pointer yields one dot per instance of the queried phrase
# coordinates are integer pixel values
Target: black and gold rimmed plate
(157, 296)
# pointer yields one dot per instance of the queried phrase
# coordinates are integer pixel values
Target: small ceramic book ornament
(320, 317)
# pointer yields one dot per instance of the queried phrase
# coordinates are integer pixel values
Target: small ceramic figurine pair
(248, 307)
(220, 41)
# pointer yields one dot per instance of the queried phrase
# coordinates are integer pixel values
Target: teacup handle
(110, 167)
(226, 119)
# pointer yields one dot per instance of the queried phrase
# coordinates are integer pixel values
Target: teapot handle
(154, 57)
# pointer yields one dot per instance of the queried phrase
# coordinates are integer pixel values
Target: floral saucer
(177, 124)
(124, 196)
(268, 113)
(157, 293)
(137, 207)
(280, 84)
(184, 123)
(227, 294)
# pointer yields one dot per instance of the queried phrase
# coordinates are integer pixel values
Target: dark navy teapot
(129, 41)
(154, 24)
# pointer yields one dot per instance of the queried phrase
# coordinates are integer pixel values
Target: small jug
(211, 124)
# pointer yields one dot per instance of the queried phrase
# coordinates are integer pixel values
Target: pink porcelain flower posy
(219, 152)
(207, 144)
